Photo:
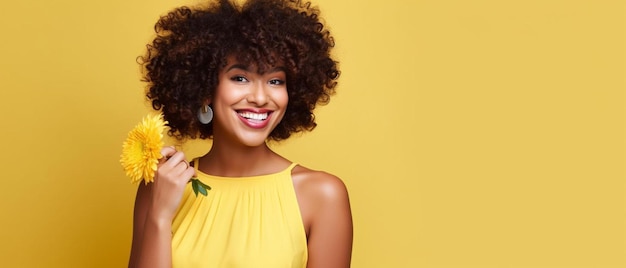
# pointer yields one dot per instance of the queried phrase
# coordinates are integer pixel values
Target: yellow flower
(142, 149)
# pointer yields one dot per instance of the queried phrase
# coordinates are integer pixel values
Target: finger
(189, 173)
(182, 166)
(176, 159)
(168, 151)
(183, 172)
(186, 164)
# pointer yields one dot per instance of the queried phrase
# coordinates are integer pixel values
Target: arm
(142, 201)
(151, 246)
(155, 206)
(330, 231)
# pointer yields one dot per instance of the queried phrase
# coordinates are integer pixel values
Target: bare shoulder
(320, 185)
(325, 207)
(321, 195)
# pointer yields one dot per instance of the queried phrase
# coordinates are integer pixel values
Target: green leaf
(194, 185)
(204, 185)
(198, 186)
(202, 190)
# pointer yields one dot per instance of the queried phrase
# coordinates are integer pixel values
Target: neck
(240, 161)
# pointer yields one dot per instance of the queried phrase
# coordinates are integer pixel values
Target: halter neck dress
(242, 222)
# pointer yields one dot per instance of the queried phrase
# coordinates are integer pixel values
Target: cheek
(227, 95)
(282, 98)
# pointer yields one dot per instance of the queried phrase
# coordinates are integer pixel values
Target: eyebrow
(277, 69)
(247, 69)
(238, 66)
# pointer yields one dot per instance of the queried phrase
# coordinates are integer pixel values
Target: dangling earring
(205, 114)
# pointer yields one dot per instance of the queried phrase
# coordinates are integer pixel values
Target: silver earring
(205, 114)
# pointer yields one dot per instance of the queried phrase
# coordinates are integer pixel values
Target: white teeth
(254, 116)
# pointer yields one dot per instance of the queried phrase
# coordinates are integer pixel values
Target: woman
(241, 76)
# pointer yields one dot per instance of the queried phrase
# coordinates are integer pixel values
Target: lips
(254, 118)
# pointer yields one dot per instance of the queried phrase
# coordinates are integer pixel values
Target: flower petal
(142, 149)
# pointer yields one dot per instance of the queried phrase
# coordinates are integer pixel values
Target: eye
(239, 78)
(276, 82)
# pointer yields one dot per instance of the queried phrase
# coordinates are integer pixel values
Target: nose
(258, 94)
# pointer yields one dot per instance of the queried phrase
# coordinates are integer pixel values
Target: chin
(253, 140)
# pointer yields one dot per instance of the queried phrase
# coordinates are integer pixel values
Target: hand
(172, 175)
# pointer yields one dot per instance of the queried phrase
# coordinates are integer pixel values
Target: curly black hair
(192, 44)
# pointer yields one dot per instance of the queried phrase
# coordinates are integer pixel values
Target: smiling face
(248, 105)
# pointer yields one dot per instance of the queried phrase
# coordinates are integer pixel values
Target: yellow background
(479, 133)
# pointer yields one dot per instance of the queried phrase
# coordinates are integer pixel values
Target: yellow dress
(243, 222)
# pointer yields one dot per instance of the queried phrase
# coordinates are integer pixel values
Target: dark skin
(240, 150)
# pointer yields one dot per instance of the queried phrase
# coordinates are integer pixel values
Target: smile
(254, 119)
(254, 116)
